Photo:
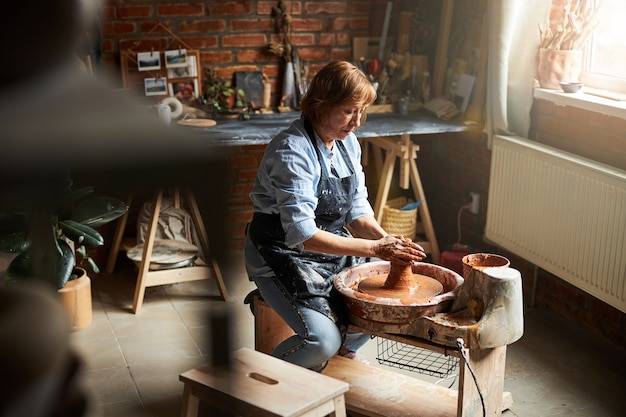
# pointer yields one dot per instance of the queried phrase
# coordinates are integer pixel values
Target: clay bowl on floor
(395, 310)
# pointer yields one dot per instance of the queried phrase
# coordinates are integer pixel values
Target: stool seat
(257, 384)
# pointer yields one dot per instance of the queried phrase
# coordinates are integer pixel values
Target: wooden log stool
(269, 328)
(256, 384)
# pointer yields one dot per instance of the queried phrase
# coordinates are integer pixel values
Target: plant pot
(76, 299)
(556, 66)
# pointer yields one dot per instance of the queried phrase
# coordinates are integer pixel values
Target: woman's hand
(395, 247)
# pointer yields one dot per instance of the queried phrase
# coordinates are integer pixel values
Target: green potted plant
(51, 243)
(220, 97)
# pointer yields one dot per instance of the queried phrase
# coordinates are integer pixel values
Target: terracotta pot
(76, 299)
(481, 261)
(558, 66)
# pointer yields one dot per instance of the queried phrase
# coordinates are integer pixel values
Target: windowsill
(583, 101)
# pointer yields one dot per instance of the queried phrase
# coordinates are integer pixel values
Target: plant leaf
(97, 211)
(81, 234)
(22, 268)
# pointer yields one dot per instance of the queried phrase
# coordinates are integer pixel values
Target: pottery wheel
(421, 287)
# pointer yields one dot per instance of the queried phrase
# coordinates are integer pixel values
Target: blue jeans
(317, 337)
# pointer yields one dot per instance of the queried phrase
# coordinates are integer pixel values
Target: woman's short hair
(338, 83)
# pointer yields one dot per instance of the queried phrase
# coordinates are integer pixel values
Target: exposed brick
(209, 25)
(108, 13)
(303, 40)
(327, 39)
(152, 26)
(118, 28)
(345, 54)
(292, 7)
(125, 12)
(218, 57)
(328, 7)
(252, 25)
(345, 23)
(243, 161)
(180, 9)
(313, 54)
(107, 46)
(244, 40)
(344, 38)
(199, 42)
(229, 8)
(306, 25)
(253, 55)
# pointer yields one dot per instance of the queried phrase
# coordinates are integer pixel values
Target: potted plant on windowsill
(51, 244)
(561, 50)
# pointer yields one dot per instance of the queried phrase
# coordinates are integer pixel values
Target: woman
(309, 187)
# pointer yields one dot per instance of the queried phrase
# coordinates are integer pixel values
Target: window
(605, 55)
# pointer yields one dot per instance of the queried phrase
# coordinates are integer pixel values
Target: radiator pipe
(535, 277)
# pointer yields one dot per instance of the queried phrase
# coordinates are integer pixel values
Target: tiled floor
(132, 362)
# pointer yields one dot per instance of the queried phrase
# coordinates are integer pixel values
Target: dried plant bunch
(580, 18)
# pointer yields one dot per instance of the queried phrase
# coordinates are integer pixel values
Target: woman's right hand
(396, 247)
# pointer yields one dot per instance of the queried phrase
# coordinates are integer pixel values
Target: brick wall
(233, 35)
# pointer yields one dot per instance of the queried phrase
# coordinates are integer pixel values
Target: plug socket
(475, 204)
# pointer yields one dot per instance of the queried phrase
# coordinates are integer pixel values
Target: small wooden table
(257, 384)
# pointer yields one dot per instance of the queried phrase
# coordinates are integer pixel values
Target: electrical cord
(461, 345)
(458, 221)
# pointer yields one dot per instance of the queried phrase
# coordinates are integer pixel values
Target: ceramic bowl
(571, 87)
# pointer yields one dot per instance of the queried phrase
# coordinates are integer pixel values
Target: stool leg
(144, 267)
(340, 406)
(190, 404)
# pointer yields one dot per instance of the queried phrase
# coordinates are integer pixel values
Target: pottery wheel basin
(395, 309)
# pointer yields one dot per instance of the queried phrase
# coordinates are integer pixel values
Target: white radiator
(564, 213)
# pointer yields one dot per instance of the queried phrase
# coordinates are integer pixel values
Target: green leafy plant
(43, 238)
(217, 92)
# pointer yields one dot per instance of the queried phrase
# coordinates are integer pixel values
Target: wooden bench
(260, 385)
(376, 392)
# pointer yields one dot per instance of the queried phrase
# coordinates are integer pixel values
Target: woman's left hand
(395, 247)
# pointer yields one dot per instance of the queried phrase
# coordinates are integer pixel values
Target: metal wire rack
(411, 358)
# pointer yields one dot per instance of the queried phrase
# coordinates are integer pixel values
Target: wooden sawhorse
(403, 148)
(200, 269)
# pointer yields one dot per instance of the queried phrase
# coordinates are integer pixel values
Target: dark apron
(308, 276)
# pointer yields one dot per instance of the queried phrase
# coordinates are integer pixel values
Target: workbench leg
(489, 367)
(384, 185)
(196, 216)
(424, 212)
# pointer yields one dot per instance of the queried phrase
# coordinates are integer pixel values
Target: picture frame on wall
(176, 58)
(148, 61)
(155, 86)
(189, 70)
(185, 91)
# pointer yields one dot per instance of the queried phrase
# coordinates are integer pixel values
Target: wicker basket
(399, 222)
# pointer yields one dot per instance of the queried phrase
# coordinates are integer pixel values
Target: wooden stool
(257, 384)
(269, 328)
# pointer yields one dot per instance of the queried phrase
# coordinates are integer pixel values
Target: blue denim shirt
(288, 176)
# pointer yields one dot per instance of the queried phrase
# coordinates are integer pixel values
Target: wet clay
(401, 282)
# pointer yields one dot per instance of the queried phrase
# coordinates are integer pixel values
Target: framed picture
(176, 58)
(189, 70)
(155, 86)
(147, 61)
(184, 91)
